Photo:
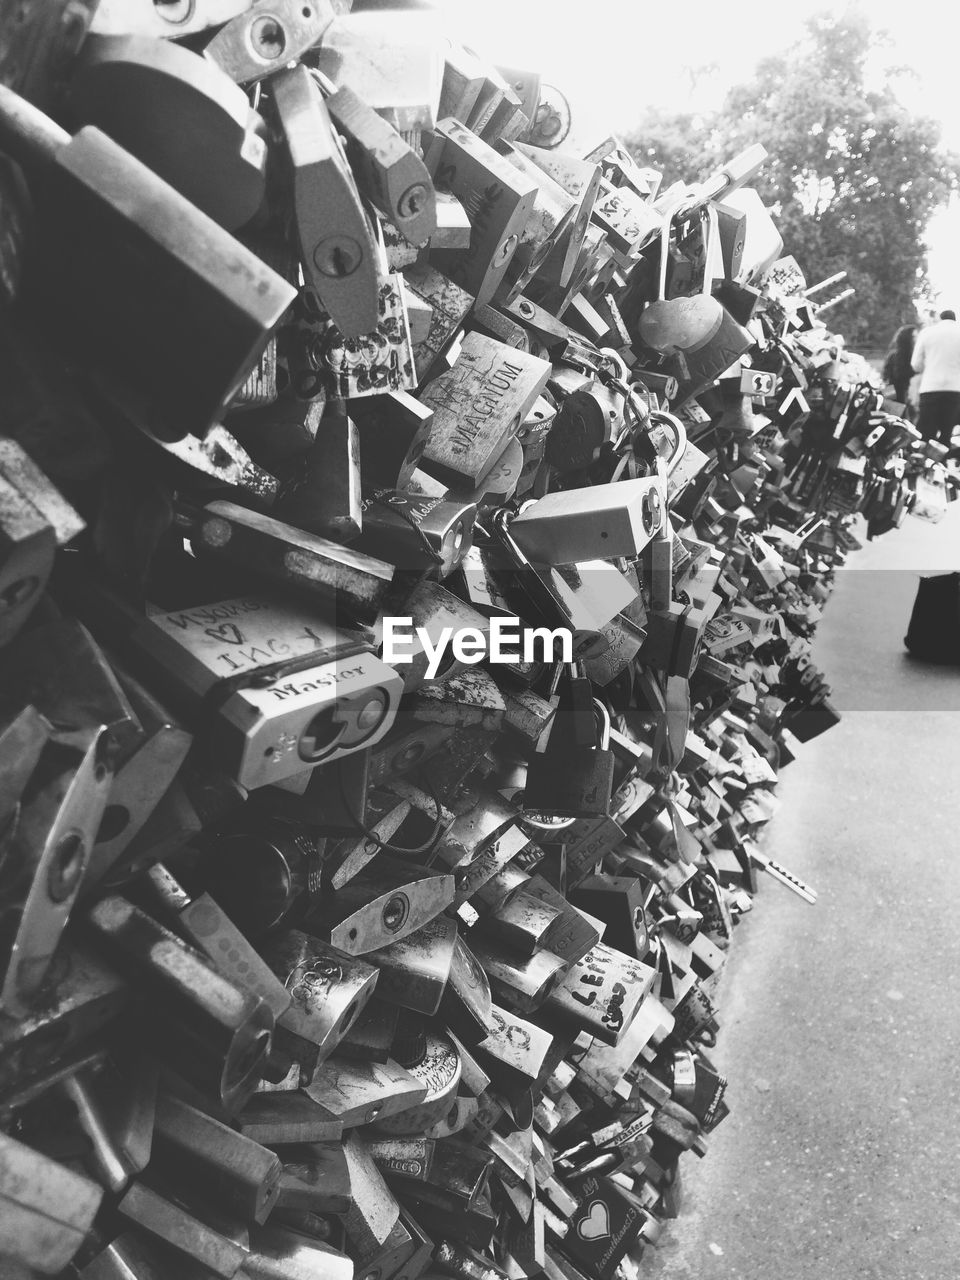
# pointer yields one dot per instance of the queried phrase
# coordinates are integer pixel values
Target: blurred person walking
(936, 357)
(898, 366)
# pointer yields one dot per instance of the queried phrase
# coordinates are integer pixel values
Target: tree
(853, 177)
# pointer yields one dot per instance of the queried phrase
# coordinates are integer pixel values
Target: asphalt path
(840, 1029)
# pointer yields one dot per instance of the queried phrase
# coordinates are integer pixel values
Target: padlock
(449, 307)
(320, 491)
(572, 780)
(128, 86)
(603, 522)
(277, 1251)
(432, 1059)
(498, 199)
(519, 982)
(47, 1208)
(341, 265)
(323, 361)
(414, 971)
(286, 711)
(477, 407)
(213, 1032)
(258, 41)
(161, 363)
(364, 51)
(202, 1154)
(208, 927)
(158, 1214)
(464, 76)
(582, 598)
(619, 902)
(442, 1171)
(50, 836)
(515, 1050)
(136, 1254)
(27, 546)
(393, 431)
(328, 989)
(680, 324)
(381, 905)
(388, 170)
(524, 924)
(287, 556)
(83, 997)
(415, 532)
(603, 992)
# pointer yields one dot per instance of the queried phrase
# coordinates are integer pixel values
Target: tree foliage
(853, 177)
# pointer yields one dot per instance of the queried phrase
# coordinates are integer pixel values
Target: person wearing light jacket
(936, 357)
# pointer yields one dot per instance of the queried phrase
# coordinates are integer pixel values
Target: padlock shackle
(708, 213)
(665, 228)
(727, 178)
(26, 133)
(659, 417)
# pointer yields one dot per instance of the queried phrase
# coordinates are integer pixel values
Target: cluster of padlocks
(413, 534)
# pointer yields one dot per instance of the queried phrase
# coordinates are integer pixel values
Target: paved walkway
(841, 1022)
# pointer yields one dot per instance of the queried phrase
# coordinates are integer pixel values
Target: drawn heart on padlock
(596, 1225)
(228, 632)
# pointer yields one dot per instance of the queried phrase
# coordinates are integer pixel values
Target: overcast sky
(612, 58)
